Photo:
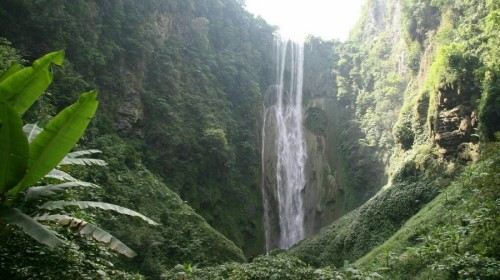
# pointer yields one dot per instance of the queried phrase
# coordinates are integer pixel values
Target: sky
(328, 19)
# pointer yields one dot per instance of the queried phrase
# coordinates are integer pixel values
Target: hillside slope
(179, 85)
(401, 123)
(183, 236)
(437, 129)
(179, 80)
(453, 237)
(420, 82)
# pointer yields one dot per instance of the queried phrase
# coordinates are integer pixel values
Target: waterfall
(289, 144)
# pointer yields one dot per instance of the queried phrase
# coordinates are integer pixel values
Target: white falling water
(265, 200)
(291, 152)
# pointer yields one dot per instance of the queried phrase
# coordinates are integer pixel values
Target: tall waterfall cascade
(283, 128)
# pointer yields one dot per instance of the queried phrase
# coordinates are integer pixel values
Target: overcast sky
(328, 19)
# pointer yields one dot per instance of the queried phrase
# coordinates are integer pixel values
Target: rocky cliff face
(455, 124)
(269, 163)
(323, 194)
(323, 198)
(349, 142)
(341, 175)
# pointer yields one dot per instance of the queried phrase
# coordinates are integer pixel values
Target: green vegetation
(405, 116)
(30, 154)
(280, 267)
(33, 146)
(182, 236)
(358, 232)
(453, 237)
(8, 55)
(490, 100)
(24, 163)
(455, 72)
(167, 72)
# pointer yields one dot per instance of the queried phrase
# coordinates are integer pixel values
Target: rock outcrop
(455, 125)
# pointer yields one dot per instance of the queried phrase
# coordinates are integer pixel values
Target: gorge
(259, 157)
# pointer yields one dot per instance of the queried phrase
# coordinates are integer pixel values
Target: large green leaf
(92, 231)
(59, 175)
(48, 190)
(94, 204)
(12, 69)
(31, 227)
(80, 153)
(57, 139)
(13, 148)
(31, 131)
(83, 161)
(74, 158)
(21, 88)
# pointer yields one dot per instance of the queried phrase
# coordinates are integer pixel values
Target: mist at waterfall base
(289, 142)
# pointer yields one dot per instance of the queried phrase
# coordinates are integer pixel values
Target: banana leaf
(80, 153)
(83, 161)
(31, 227)
(90, 230)
(42, 191)
(57, 139)
(51, 205)
(15, 67)
(22, 87)
(31, 130)
(14, 149)
(60, 176)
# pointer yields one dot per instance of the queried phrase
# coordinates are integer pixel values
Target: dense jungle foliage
(408, 109)
(454, 52)
(180, 82)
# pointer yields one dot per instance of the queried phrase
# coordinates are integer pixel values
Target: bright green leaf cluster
(24, 160)
(23, 164)
(29, 153)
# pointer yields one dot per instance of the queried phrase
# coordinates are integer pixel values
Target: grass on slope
(357, 233)
(456, 236)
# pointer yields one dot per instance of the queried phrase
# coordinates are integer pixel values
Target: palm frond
(83, 153)
(82, 161)
(90, 230)
(31, 227)
(100, 205)
(41, 191)
(61, 176)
